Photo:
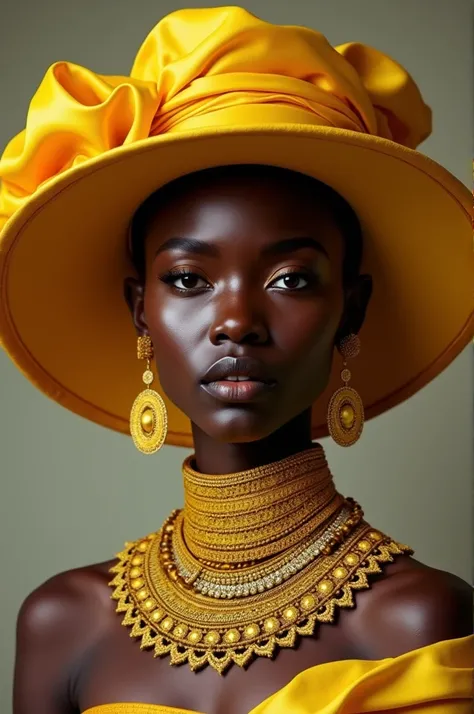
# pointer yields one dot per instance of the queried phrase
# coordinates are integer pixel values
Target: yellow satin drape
(437, 679)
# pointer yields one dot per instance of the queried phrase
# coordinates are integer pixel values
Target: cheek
(311, 330)
(308, 341)
(175, 331)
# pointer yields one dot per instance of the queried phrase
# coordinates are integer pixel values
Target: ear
(134, 293)
(357, 298)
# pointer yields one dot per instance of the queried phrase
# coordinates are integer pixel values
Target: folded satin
(437, 679)
(195, 63)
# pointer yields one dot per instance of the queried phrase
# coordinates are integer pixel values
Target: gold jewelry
(257, 513)
(345, 409)
(342, 531)
(251, 580)
(173, 619)
(148, 417)
(194, 628)
(191, 568)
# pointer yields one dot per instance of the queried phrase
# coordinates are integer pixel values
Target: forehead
(230, 200)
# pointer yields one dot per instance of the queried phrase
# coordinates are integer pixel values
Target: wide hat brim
(63, 259)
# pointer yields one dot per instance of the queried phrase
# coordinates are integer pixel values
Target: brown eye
(189, 280)
(291, 281)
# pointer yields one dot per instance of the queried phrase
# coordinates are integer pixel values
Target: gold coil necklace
(254, 560)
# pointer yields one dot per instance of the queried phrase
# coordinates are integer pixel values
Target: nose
(239, 320)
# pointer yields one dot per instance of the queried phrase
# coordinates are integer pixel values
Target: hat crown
(201, 68)
(199, 57)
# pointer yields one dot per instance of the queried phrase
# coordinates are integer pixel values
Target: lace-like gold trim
(192, 628)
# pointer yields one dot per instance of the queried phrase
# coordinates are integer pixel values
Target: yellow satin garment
(437, 679)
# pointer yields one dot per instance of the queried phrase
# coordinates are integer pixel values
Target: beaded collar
(248, 565)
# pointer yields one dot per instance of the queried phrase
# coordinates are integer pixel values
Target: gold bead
(147, 421)
(142, 595)
(137, 560)
(308, 602)
(149, 604)
(375, 535)
(166, 556)
(271, 624)
(232, 636)
(173, 575)
(325, 586)
(340, 573)
(167, 623)
(170, 567)
(351, 559)
(135, 572)
(251, 631)
(143, 546)
(212, 638)
(195, 636)
(363, 545)
(290, 614)
(137, 584)
(157, 615)
(347, 416)
(180, 631)
(169, 528)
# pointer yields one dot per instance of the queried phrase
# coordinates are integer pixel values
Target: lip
(249, 367)
(248, 391)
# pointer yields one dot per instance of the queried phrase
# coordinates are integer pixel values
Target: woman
(249, 166)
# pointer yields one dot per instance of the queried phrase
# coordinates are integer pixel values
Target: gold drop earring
(148, 417)
(346, 410)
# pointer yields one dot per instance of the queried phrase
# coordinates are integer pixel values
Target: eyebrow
(198, 247)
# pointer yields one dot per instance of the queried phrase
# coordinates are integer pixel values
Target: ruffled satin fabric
(437, 679)
(194, 63)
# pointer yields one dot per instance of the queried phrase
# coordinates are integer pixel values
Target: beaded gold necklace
(254, 560)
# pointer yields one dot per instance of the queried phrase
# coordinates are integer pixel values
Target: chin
(238, 429)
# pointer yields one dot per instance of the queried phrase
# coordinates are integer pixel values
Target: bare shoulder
(57, 624)
(79, 592)
(413, 605)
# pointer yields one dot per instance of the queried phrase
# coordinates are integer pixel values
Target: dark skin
(72, 651)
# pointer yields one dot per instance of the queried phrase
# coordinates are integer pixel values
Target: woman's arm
(57, 625)
(40, 683)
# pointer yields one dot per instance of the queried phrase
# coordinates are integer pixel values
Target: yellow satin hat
(213, 87)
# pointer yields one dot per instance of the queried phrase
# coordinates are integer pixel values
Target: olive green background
(71, 492)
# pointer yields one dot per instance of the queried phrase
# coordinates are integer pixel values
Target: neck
(215, 457)
(259, 512)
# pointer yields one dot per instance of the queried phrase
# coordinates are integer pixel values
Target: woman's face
(243, 267)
